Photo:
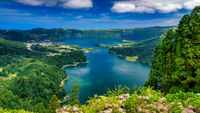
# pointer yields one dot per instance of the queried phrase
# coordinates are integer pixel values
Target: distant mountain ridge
(59, 34)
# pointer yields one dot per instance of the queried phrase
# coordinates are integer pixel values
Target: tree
(74, 95)
(39, 108)
(53, 104)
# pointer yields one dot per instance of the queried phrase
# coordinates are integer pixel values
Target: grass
(64, 47)
(105, 45)
(2, 110)
(128, 41)
(131, 58)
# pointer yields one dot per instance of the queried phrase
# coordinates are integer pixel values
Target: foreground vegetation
(144, 100)
(13, 111)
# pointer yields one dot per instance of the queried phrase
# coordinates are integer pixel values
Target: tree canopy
(176, 64)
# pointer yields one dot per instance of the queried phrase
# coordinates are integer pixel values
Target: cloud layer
(73, 4)
(21, 19)
(152, 6)
(124, 6)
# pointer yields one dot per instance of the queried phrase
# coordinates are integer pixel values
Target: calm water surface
(103, 71)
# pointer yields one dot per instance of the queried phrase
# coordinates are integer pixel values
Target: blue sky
(92, 14)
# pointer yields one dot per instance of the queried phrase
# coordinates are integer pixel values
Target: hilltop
(58, 34)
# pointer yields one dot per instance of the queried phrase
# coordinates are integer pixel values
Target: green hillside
(144, 49)
(29, 77)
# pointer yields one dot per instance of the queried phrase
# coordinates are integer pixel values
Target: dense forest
(176, 64)
(30, 78)
(57, 34)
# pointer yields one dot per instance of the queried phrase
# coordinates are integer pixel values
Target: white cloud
(73, 4)
(151, 6)
(191, 4)
(39, 2)
(122, 7)
(77, 4)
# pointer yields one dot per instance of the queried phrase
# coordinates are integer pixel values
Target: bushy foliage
(40, 108)
(118, 90)
(13, 111)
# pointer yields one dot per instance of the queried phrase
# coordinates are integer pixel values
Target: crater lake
(104, 70)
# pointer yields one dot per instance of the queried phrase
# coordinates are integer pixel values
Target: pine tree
(53, 104)
(74, 95)
(154, 76)
(176, 64)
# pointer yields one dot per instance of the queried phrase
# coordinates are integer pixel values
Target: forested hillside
(31, 77)
(57, 34)
(176, 64)
(144, 49)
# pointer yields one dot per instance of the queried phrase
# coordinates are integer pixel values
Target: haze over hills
(58, 34)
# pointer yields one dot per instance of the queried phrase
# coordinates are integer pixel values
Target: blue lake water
(104, 70)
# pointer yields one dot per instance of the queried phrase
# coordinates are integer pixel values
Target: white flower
(75, 109)
(120, 110)
(146, 97)
(120, 97)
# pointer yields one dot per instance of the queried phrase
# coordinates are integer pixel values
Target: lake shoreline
(62, 83)
(124, 57)
(75, 64)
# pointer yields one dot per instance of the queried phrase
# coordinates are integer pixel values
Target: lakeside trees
(74, 95)
(143, 49)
